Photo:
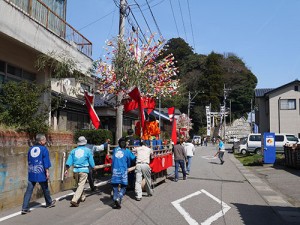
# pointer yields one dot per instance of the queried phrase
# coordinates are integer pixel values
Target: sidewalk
(279, 186)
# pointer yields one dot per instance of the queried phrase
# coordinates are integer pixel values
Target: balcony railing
(42, 14)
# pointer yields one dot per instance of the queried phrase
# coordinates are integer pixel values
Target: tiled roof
(108, 100)
(260, 92)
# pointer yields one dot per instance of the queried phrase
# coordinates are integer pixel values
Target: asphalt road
(212, 194)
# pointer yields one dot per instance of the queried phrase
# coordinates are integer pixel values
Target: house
(278, 109)
(30, 28)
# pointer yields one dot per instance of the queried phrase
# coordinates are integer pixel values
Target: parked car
(283, 139)
(232, 139)
(197, 140)
(236, 145)
(254, 142)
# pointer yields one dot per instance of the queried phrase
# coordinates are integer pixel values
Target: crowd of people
(123, 158)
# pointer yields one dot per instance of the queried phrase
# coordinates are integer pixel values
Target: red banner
(161, 163)
(130, 104)
(135, 95)
(89, 99)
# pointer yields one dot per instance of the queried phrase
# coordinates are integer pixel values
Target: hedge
(94, 137)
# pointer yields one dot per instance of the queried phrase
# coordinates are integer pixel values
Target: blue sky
(264, 33)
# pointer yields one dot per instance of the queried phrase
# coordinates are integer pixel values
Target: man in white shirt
(142, 170)
(190, 152)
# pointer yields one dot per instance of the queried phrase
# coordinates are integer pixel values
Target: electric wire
(96, 20)
(160, 34)
(182, 20)
(174, 17)
(188, 4)
(143, 16)
(137, 24)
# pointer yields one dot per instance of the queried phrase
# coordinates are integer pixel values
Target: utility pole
(251, 125)
(189, 105)
(119, 112)
(225, 91)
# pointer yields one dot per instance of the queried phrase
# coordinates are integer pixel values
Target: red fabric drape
(89, 99)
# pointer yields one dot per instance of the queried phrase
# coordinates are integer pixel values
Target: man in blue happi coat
(122, 159)
(38, 172)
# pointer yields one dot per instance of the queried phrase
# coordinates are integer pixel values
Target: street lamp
(189, 104)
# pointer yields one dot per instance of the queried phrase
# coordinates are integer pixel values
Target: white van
(282, 139)
(254, 142)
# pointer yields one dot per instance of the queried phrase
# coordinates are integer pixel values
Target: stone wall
(13, 166)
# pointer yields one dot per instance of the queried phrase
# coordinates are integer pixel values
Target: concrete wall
(13, 167)
(20, 27)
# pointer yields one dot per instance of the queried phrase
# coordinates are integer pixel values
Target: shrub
(20, 107)
(95, 137)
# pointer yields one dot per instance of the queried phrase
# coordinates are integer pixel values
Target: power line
(160, 34)
(96, 20)
(174, 17)
(182, 20)
(143, 16)
(137, 23)
(188, 3)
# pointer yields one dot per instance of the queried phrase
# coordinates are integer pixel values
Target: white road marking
(181, 210)
(209, 220)
(32, 208)
(208, 157)
(42, 204)
(213, 218)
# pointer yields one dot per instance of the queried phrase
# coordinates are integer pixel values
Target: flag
(130, 104)
(89, 99)
(174, 132)
(135, 95)
(171, 112)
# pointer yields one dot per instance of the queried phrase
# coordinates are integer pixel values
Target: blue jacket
(121, 161)
(38, 162)
(81, 158)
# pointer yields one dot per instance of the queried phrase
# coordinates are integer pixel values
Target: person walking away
(180, 159)
(81, 158)
(142, 170)
(221, 150)
(38, 172)
(122, 158)
(190, 152)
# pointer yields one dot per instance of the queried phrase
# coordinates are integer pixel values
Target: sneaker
(184, 178)
(175, 180)
(74, 204)
(118, 203)
(52, 204)
(25, 211)
(138, 199)
(187, 173)
(82, 200)
(222, 162)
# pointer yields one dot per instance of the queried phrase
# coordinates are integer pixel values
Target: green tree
(20, 106)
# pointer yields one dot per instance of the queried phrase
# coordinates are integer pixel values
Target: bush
(94, 137)
(20, 107)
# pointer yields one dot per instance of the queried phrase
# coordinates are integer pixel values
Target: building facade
(278, 109)
(30, 28)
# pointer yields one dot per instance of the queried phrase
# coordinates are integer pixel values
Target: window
(296, 88)
(2, 66)
(287, 104)
(255, 138)
(14, 73)
(14, 70)
(28, 76)
(279, 138)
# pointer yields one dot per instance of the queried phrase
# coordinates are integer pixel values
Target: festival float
(136, 72)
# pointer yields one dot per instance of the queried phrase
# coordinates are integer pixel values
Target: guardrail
(42, 14)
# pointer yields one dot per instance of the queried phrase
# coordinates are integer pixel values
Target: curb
(280, 206)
